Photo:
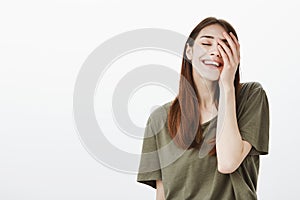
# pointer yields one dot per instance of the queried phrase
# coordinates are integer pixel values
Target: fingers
(224, 55)
(226, 50)
(235, 41)
(237, 45)
(232, 46)
(232, 50)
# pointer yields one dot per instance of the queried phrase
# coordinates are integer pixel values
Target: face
(204, 55)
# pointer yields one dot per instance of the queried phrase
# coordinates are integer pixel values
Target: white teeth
(209, 62)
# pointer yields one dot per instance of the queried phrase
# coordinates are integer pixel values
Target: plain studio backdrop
(43, 45)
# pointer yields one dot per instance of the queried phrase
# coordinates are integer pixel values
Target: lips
(213, 63)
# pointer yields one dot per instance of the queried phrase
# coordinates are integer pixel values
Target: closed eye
(205, 44)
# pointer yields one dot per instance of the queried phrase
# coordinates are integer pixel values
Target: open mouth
(212, 63)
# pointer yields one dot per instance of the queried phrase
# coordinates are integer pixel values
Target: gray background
(42, 47)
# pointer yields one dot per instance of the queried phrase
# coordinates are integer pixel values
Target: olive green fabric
(185, 175)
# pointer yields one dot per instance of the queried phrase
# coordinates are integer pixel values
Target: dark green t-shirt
(187, 175)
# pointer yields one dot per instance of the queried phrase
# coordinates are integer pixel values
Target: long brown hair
(184, 115)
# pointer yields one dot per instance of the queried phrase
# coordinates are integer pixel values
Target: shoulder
(159, 115)
(250, 86)
(252, 93)
(250, 89)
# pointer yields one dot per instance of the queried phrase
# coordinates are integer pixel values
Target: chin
(211, 76)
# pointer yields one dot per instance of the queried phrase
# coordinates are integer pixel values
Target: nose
(215, 51)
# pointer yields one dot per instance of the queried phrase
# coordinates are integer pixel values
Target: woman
(206, 143)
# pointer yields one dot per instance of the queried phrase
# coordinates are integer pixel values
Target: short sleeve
(149, 169)
(254, 120)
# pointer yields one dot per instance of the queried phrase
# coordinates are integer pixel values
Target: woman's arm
(231, 149)
(160, 195)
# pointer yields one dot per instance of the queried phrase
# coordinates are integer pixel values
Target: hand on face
(231, 59)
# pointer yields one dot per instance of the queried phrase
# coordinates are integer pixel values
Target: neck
(207, 91)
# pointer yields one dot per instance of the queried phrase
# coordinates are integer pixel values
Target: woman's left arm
(231, 149)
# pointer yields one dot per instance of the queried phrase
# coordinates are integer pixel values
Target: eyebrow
(212, 37)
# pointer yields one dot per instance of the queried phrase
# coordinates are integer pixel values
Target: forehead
(214, 30)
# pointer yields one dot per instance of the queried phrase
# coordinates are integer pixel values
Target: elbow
(226, 169)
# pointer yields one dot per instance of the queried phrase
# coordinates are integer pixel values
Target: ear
(189, 52)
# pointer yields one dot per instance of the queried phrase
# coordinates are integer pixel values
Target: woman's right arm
(160, 195)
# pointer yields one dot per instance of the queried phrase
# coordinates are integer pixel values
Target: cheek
(199, 51)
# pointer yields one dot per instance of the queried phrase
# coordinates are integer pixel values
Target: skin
(160, 195)
(225, 49)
